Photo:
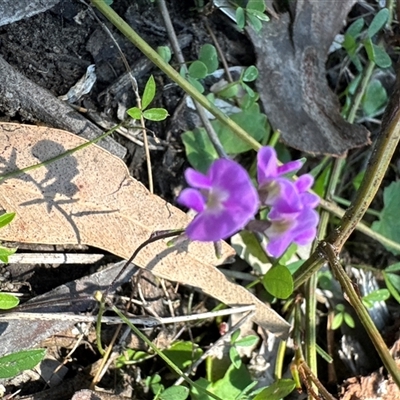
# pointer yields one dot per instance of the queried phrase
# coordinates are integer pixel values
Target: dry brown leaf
(291, 55)
(89, 198)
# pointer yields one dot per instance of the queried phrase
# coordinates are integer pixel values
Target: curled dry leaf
(291, 54)
(89, 198)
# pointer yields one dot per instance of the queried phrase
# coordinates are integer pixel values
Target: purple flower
(225, 200)
(269, 174)
(292, 217)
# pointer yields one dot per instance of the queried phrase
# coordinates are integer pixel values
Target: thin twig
(179, 56)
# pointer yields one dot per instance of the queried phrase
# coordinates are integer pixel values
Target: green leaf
(234, 336)
(183, 353)
(258, 5)
(165, 53)
(258, 14)
(337, 320)
(375, 97)
(235, 357)
(5, 252)
(248, 341)
(377, 54)
(199, 150)
(230, 386)
(15, 363)
(175, 393)
(355, 28)
(6, 218)
(229, 91)
(382, 58)
(240, 18)
(279, 282)
(196, 84)
(154, 383)
(134, 113)
(376, 295)
(197, 70)
(378, 22)
(254, 22)
(155, 114)
(393, 268)
(208, 55)
(8, 301)
(349, 44)
(388, 224)
(278, 390)
(349, 320)
(250, 74)
(394, 280)
(358, 179)
(395, 293)
(252, 121)
(149, 92)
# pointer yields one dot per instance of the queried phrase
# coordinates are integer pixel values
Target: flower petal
(304, 183)
(197, 179)
(192, 198)
(227, 205)
(290, 166)
(277, 246)
(266, 164)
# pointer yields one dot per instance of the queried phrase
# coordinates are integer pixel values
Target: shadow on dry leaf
(89, 198)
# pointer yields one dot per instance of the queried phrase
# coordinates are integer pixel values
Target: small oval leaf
(155, 114)
(149, 92)
(250, 74)
(208, 55)
(13, 364)
(175, 393)
(6, 218)
(279, 282)
(278, 390)
(134, 113)
(197, 70)
(8, 301)
(378, 22)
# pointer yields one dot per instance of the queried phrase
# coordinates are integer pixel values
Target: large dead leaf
(89, 198)
(291, 56)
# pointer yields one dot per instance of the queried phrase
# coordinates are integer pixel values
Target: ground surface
(53, 50)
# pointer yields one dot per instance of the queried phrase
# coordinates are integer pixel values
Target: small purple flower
(292, 217)
(269, 174)
(225, 200)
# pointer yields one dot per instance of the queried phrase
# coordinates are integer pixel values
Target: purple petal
(276, 247)
(232, 178)
(304, 183)
(209, 227)
(266, 164)
(305, 230)
(310, 200)
(192, 198)
(288, 200)
(291, 166)
(197, 179)
(231, 201)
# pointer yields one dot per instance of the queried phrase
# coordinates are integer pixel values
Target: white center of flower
(215, 199)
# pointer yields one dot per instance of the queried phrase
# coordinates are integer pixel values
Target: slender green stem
(132, 36)
(355, 301)
(362, 87)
